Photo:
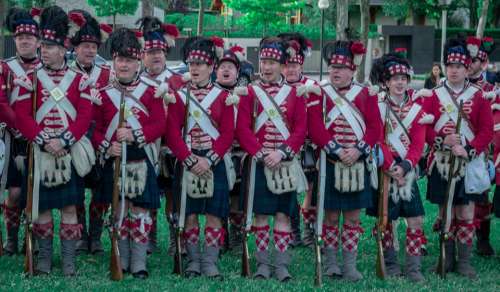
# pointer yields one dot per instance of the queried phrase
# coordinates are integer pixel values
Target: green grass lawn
(93, 272)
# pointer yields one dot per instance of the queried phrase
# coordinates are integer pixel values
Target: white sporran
(54, 171)
(349, 178)
(198, 187)
(282, 179)
(477, 178)
(135, 178)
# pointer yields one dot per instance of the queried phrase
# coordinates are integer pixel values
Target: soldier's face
(397, 85)
(155, 60)
(476, 67)
(292, 72)
(270, 70)
(200, 72)
(227, 73)
(340, 76)
(52, 55)
(26, 45)
(125, 68)
(456, 73)
(86, 52)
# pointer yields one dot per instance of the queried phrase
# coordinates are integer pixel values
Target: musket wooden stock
(28, 236)
(443, 236)
(115, 266)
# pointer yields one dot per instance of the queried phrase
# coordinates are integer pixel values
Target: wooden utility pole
(201, 13)
(482, 19)
(147, 8)
(364, 6)
(342, 19)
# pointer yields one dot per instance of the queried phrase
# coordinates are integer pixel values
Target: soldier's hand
(459, 150)
(351, 155)
(452, 140)
(115, 150)
(124, 135)
(61, 153)
(201, 167)
(397, 172)
(273, 159)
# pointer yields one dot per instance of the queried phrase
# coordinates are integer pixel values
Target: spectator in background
(435, 75)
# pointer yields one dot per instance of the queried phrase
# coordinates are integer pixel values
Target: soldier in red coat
(159, 39)
(347, 134)
(204, 152)
(25, 31)
(471, 143)
(274, 138)
(496, 144)
(294, 74)
(145, 119)
(227, 73)
(482, 209)
(85, 43)
(62, 153)
(401, 148)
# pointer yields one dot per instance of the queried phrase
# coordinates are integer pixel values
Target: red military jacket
(268, 136)
(144, 114)
(212, 99)
(11, 69)
(7, 114)
(168, 76)
(69, 120)
(483, 84)
(478, 114)
(410, 113)
(496, 137)
(98, 77)
(337, 131)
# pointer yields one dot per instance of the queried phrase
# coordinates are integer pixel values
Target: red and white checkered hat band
(342, 60)
(50, 35)
(482, 55)
(455, 58)
(199, 56)
(89, 38)
(296, 59)
(132, 53)
(154, 44)
(398, 69)
(27, 29)
(271, 53)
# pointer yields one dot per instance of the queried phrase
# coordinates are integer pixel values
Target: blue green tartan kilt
(150, 198)
(266, 202)
(335, 200)
(15, 178)
(436, 189)
(496, 202)
(218, 204)
(68, 194)
(405, 209)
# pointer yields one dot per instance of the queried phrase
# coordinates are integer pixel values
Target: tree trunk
(147, 8)
(473, 13)
(482, 19)
(342, 19)
(4, 6)
(201, 13)
(364, 6)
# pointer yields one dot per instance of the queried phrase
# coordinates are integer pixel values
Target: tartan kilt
(436, 189)
(150, 198)
(68, 194)
(218, 204)
(496, 202)
(335, 200)
(266, 202)
(166, 182)
(402, 208)
(15, 178)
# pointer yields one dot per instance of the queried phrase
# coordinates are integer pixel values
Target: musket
(249, 198)
(28, 235)
(450, 193)
(181, 206)
(7, 92)
(115, 266)
(382, 212)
